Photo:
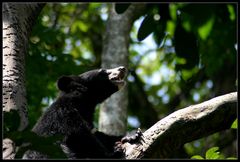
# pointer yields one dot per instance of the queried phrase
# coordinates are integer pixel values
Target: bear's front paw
(133, 138)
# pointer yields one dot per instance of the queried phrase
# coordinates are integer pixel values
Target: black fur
(72, 115)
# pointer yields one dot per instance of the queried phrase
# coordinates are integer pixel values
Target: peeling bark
(113, 111)
(184, 125)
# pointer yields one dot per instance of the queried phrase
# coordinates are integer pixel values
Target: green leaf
(79, 25)
(231, 11)
(159, 32)
(121, 7)
(11, 120)
(187, 74)
(186, 46)
(45, 145)
(205, 29)
(173, 11)
(212, 153)
(198, 14)
(170, 27)
(146, 28)
(197, 157)
(235, 124)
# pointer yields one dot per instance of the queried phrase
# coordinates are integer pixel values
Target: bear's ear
(67, 84)
(63, 83)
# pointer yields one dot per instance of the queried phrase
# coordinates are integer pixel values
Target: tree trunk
(113, 111)
(18, 19)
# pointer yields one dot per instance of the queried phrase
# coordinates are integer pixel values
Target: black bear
(72, 113)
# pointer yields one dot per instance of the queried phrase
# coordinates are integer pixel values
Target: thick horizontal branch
(184, 125)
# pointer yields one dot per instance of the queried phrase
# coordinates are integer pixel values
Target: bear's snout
(116, 75)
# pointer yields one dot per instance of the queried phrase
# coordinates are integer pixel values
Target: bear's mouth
(116, 76)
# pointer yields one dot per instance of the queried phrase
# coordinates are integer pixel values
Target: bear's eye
(76, 93)
(102, 71)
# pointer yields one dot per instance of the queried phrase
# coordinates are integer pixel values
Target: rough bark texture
(184, 125)
(18, 19)
(17, 23)
(113, 111)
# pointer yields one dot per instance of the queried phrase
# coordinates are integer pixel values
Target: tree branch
(183, 126)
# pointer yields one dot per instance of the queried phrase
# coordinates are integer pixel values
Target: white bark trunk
(113, 111)
(17, 22)
(18, 19)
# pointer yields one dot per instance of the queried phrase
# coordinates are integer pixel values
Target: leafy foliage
(193, 52)
(28, 140)
(9, 123)
(212, 153)
(197, 157)
(235, 124)
(147, 27)
(186, 48)
(154, 22)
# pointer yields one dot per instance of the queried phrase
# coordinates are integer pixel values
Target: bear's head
(95, 85)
